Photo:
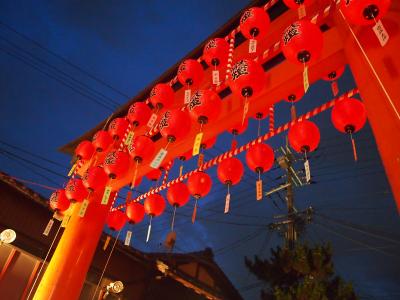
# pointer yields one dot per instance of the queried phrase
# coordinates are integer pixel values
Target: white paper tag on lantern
(307, 170)
(159, 158)
(197, 143)
(106, 195)
(227, 203)
(152, 120)
(129, 137)
(301, 11)
(106, 242)
(84, 206)
(65, 221)
(335, 88)
(128, 238)
(252, 46)
(381, 33)
(306, 83)
(259, 190)
(188, 95)
(48, 227)
(215, 77)
(72, 170)
(148, 233)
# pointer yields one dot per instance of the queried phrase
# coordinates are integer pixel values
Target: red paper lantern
(209, 143)
(154, 174)
(334, 75)
(94, 179)
(260, 158)
(295, 96)
(304, 136)
(139, 114)
(364, 12)
(175, 124)
(205, 106)
(230, 171)
(102, 140)
(75, 190)
(247, 78)
(349, 115)
(84, 150)
(134, 212)
(116, 219)
(190, 72)
(117, 128)
(116, 164)
(142, 148)
(58, 201)
(215, 52)
(162, 96)
(239, 128)
(254, 23)
(302, 42)
(178, 194)
(199, 184)
(154, 205)
(295, 4)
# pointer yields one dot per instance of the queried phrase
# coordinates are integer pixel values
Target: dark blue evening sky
(65, 65)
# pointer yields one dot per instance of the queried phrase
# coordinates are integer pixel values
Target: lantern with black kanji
(116, 164)
(215, 54)
(75, 190)
(84, 150)
(175, 125)
(349, 116)
(199, 185)
(302, 43)
(254, 25)
(154, 206)
(162, 96)
(94, 179)
(118, 128)
(58, 201)
(230, 172)
(190, 73)
(138, 115)
(247, 80)
(204, 107)
(102, 140)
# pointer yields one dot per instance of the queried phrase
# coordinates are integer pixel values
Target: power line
(59, 72)
(55, 78)
(75, 66)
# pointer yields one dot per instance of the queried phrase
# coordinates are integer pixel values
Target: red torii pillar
(376, 71)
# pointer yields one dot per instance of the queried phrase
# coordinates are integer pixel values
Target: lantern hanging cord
(44, 262)
(234, 152)
(106, 265)
(371, 66)
(173, 218)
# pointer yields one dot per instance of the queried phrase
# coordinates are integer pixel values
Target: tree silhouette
(303, 273)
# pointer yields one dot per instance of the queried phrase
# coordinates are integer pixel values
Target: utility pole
(288, 225)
